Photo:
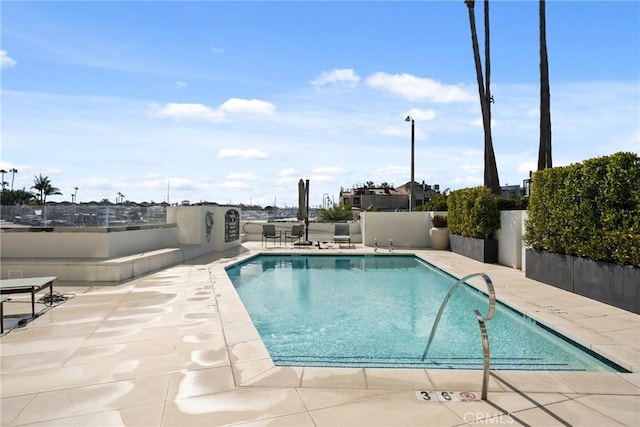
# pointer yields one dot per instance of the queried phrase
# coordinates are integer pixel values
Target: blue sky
(234, 102)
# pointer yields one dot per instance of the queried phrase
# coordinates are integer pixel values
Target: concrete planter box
(483, 250)
(550, 268)
(602, 281)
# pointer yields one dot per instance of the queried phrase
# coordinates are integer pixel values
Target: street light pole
(410, 119)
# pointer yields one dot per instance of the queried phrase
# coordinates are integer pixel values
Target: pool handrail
(485, 354)
(492, 303)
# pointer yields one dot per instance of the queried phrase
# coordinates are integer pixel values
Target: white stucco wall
(190, 222)
(74, 243)
(406, 229)
(510, 239)
(318, 231)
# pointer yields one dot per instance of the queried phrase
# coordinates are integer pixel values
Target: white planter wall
(510, 239)
(406, 229)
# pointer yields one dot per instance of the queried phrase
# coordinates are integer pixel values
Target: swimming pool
(378, 310)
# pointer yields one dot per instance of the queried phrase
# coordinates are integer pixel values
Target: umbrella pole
(306, 219)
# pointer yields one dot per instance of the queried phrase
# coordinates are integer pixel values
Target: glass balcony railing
(280, 214)
(78, 215)
(82, 216)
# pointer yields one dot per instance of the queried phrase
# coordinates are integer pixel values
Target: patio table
(31, 285)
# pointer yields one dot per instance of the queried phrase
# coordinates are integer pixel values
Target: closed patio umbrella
(302, 201)
(303, 208)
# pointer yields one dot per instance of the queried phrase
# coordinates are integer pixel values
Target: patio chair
(269, 232)
(341, 234)
(296, 233)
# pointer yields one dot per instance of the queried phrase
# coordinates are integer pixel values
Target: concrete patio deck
(176, 348)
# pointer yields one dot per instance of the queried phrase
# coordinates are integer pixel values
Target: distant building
(385, 197)
(507, 191)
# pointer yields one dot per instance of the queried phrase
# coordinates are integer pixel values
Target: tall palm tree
(43, 185)
(544, 151)
(491, 179)
(2, 172)
(22, 197)
(13, 171)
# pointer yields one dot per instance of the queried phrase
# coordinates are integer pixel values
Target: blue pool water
(378, 310)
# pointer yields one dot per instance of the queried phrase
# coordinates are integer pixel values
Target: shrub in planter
(589, 209)
(473, 217)
(587, 216)
(439, 221)
(473, 212)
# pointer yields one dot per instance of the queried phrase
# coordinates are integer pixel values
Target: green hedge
(589, 209)
(473, 212)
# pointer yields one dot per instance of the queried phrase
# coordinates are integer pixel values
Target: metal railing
(481, 322)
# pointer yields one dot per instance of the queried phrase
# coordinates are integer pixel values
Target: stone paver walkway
(177, 348)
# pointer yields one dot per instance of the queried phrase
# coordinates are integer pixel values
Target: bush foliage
(339, 213)
(439, 221)
(589, 209)
(473, 212)
(437, 203)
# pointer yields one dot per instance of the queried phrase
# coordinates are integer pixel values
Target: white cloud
(473, 168)
(344, 77)
(250, 106)
(419, 89)
(180, 85)
(248, 153)
(197, 112)
(5, 60)
(217, 50)
(470, 181)
(322, 178)
(392, 171)
(203, 113)
(418, 114)
(234, 185)
(528, 166)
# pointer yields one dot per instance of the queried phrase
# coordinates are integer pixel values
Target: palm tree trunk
(490, 168)
(544, 151)
(13, 175)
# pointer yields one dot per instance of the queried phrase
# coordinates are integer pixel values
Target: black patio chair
(269, 232)
(296, 233)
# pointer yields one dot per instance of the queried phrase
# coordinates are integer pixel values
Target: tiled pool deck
(177, 348)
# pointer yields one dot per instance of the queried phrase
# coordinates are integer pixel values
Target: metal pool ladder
(481, 324)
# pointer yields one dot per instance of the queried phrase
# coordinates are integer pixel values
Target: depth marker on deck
(446, 396)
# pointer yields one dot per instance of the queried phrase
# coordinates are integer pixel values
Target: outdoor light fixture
(410, 119)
